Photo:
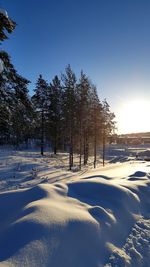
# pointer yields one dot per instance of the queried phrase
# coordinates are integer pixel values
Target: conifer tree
(6, 25)
(55, 112)
(39, 100)
(69, 109)
(22, 111)
(96, 114)
(108, 125)
(14, 99)
(83, 93)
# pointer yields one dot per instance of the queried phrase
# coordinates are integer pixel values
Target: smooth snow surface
(52, 217)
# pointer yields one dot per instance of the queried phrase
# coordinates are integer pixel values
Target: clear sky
(108, 39)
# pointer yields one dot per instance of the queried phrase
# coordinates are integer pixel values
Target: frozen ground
(93, 218)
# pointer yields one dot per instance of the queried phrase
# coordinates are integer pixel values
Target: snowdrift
(74, 224)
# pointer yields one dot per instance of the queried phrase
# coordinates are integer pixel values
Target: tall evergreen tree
(6, 26)
(21, 111)
(69, 109)
(108, 125)
(55, 112)
(96, 120)
(83, 93)
(14, 98)
(39, 100)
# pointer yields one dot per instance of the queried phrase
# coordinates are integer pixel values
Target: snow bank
(43, 227)
(74, 224)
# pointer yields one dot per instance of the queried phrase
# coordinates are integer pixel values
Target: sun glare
(134, 117)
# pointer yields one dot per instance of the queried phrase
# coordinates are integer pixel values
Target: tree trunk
(86, 148)
(86, 151)
(95, 148)
(71, 150)
(55, 142)
(42, 133)
(80, 149)
(70, 158)
(104, 148)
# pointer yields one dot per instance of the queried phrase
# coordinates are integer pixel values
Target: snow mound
(72, 224)
(41, 227)
(104, 193)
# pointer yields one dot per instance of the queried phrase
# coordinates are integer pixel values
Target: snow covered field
(92, 218)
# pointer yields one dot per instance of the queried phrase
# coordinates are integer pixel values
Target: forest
(65, 113)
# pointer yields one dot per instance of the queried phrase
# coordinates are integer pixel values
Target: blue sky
(108, 39)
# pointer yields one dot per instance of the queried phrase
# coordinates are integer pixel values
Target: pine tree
(22, 111)
(69, 109)
(83, 93)
(15, 103)
(108, 125)
(39, 100)
(55, 112)
(6, 25)
(96, 120)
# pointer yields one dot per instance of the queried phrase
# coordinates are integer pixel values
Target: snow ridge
(55, 218)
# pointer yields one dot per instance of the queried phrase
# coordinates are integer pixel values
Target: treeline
(66, 113)
(70, 115)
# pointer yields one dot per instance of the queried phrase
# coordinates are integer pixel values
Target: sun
(134, 116)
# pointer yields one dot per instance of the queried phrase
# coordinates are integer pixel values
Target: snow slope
(99, 218)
